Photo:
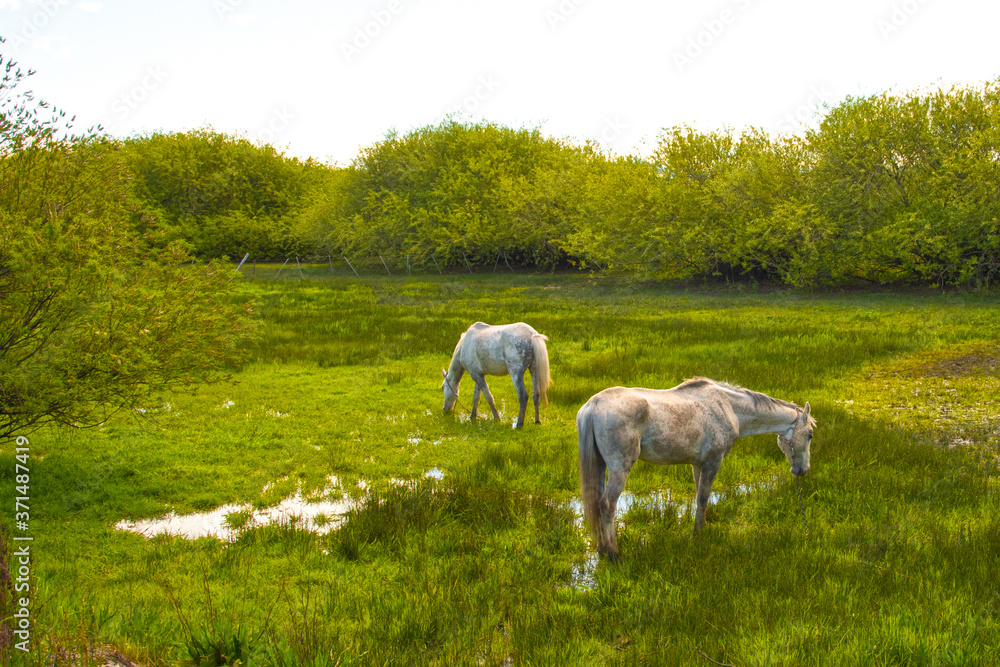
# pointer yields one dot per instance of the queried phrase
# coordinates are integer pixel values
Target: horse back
(499, 349)
(687, 427)
(671, 427)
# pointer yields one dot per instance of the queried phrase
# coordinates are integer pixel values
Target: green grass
(490, 565)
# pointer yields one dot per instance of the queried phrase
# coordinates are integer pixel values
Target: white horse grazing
(499, 350)
(696, 423)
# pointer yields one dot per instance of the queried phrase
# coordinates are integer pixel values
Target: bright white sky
(324, 79)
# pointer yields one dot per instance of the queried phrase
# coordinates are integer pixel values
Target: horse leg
(606, 540)
(708, 471)
(489, 399)
(522, 398)
(696, 473)
(481, 386)
(535, 396)
(475, 400)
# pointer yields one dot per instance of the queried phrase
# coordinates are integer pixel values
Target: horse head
(795, 442)
(450, 392)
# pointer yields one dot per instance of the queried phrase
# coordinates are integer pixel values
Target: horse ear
(805, 411)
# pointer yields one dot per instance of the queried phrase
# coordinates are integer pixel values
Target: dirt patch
(956, 362)
(965, 365)
(948, 393)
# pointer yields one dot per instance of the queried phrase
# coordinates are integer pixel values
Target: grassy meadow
(486, 562)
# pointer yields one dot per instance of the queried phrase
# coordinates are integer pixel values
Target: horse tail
(541, 364)
(592, 468)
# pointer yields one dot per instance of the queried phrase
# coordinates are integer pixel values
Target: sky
(326, 79)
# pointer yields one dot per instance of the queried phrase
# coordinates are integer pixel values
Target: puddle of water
(323, 515)
(660, 499)
(316, 516)
(584, 574)
(656, 500)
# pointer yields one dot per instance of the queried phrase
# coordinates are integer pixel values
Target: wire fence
(396, 265)
(361, 266)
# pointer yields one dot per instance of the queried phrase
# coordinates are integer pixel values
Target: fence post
(282, 266)
(300, 267)
(383, 264)
(506, 262)
(351, 265)
(436, 264)
(467, 262)
(240, 265)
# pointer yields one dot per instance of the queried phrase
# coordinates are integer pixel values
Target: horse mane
(760, 401)
(458, 346)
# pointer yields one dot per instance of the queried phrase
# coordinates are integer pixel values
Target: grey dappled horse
(499, 350)
(696, 423)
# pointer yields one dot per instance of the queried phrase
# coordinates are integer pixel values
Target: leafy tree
(909, 182)
(223, 195)
(452, 190)
(890, 189)
(94, 316)
(870, 164)
(616, 225)
(770, 229)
